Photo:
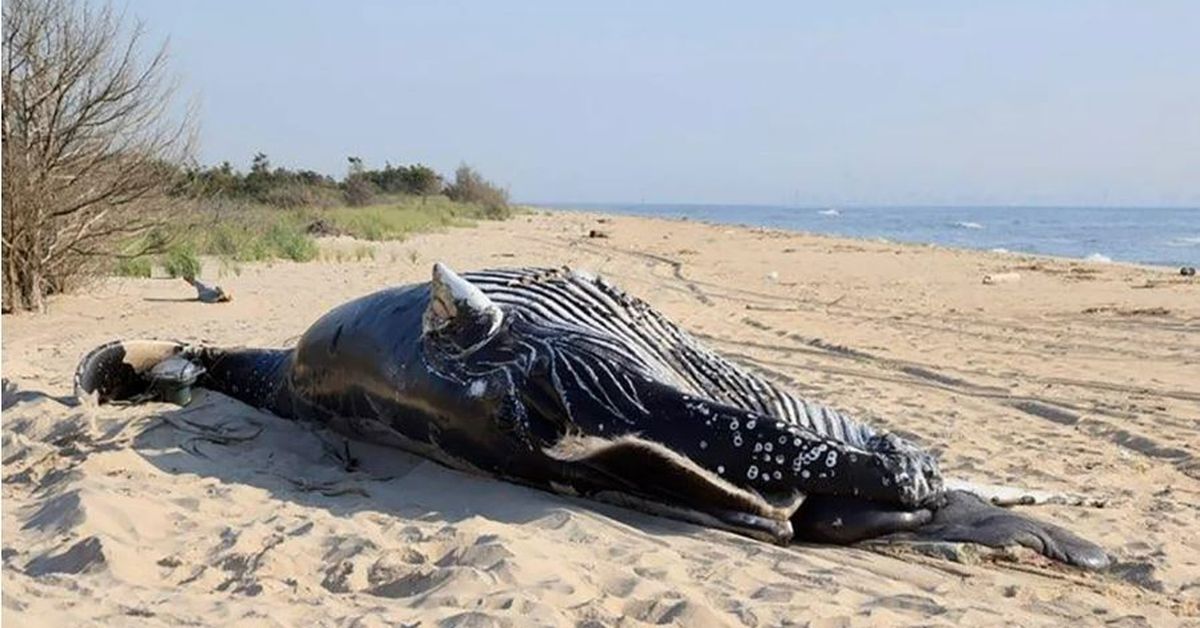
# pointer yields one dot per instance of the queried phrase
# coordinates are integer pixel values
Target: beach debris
(596, 233)
(1188, 271)
(773, 276)
(997, 278)
(1162, 283)
(1007, 496)
(208, 294)
(772, 308)
(1137, 311)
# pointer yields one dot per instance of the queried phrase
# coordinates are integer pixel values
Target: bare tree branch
(90, 145)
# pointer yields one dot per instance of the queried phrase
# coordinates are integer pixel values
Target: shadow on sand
(13, 395)
(312, 466)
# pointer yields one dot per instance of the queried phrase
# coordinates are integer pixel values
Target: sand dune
(1077, 377)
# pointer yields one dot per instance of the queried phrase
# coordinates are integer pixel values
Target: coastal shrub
(290, 242)
(421, 180)
(297, 195)
(359, 192)
(470, 187)
(415, 180)
(139, 267)
(238, 242)
(181, 261)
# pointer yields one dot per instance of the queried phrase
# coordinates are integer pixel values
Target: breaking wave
(1184, 241)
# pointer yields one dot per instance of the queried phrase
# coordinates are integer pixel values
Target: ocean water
(1163, 237)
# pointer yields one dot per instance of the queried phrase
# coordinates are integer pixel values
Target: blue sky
(855, 103)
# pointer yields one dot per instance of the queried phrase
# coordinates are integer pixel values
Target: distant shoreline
(959, 226)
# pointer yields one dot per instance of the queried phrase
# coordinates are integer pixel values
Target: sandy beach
(1062, 375)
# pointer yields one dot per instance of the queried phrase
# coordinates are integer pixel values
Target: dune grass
(254, 233)
(141, 267)
(396, 220)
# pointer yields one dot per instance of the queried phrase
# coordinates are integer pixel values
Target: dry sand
(1075, 376)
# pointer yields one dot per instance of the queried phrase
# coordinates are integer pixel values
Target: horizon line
(850, 206)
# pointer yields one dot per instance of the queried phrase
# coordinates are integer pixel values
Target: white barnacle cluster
(772, 452)
(814, 453)
(810, 455)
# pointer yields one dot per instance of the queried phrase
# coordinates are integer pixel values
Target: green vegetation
(398, 219)
(238, 233)
(470, 187)
(105, 181)
(139, 267)
(289, 242)
(182, 262)
(281, 187)
(275, 213)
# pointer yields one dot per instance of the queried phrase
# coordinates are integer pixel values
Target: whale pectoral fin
(119, 370)
(459, 313)
(965, 517)
(648, 476)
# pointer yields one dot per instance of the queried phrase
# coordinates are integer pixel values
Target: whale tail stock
(133, 371)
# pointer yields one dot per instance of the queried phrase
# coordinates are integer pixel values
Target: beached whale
(557, 379)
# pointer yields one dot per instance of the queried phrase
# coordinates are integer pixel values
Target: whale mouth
(615, 470)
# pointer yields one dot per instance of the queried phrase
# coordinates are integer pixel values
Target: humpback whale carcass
(557, 379)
